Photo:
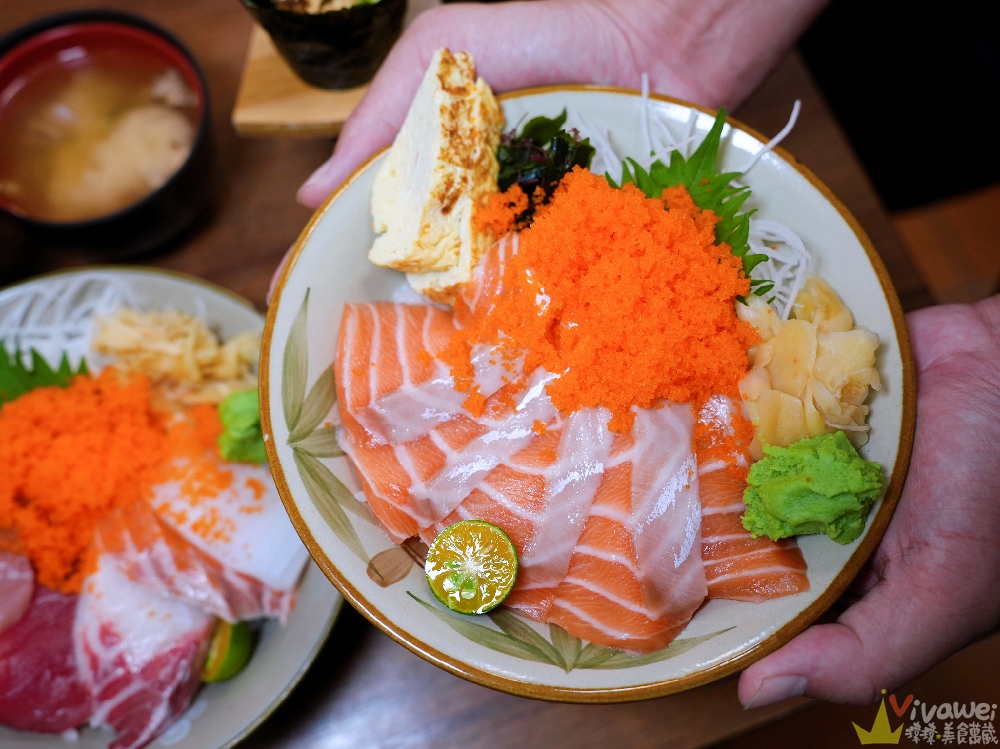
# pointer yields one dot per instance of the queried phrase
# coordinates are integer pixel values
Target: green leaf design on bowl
(311, 440)
(519, 639)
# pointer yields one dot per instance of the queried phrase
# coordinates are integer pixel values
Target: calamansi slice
(228, 652)
(471, 567)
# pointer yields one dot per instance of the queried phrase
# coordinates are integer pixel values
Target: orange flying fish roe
(496, 216)
(68, 456)
(71, 455)
(626, 301)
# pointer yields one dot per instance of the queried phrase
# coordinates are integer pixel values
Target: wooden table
(364, 690)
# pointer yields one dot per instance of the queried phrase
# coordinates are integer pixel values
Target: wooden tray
(274, 102)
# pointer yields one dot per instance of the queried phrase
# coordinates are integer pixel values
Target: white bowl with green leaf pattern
(328, 267)
(226, 712)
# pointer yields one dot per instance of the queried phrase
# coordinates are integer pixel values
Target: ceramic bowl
(329, 267)
(223, 713)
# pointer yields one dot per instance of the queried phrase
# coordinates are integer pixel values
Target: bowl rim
(744, 657)
(310, 658)
(32, 29)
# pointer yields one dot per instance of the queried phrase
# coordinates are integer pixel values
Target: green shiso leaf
(16, 379)
(708, 189)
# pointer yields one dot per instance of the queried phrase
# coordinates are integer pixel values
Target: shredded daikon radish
(787, 266)
(782, 134)
(55, 315)
(647, 143)
(605, 158)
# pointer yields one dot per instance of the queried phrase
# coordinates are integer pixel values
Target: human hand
(930, 587)
(697, 50)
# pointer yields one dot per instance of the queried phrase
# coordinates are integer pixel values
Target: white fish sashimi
(141, 545)
(243, 526)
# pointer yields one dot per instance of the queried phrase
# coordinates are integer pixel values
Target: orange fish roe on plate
(71, 455)
(626, 301)
(496, 216)
(68, 456)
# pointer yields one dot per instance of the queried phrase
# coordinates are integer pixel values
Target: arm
(711, 52)
(930, 588)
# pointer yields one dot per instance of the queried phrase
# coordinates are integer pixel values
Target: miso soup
(92, 133)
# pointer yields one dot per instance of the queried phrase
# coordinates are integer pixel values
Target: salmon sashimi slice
(139, 652)
(486, 282)
(636, 577)
(739, 567)
(390, 386)
(541, 497)
(151, 553)
(412, 486)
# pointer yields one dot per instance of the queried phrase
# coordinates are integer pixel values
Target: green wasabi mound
(818, 485)
(241, 440)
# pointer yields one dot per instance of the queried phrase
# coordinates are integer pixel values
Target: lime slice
(471, 567)
(228, 652)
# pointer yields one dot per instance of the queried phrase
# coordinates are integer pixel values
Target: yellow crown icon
(881, 733)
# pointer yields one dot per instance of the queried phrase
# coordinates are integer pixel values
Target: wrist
(711, 52)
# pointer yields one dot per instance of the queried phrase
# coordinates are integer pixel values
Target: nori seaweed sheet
(337, 49)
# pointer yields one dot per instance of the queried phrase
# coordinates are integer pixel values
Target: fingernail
(314, 179)
(775, 689)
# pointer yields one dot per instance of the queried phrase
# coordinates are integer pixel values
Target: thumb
(913, 617)
(375, 121)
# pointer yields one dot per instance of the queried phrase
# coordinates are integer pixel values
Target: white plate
(226, 712)
(329, 267)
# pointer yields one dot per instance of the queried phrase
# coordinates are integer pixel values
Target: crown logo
(881, 732)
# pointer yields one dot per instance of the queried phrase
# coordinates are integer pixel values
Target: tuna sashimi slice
(636, 577)
(141, 654)
(738, 566)
(40, 689)
(156, 556)
(17, 583)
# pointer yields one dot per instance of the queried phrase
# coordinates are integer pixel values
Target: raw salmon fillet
(737, 566)
(636, 578)
(418, 466)
(541, 497)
